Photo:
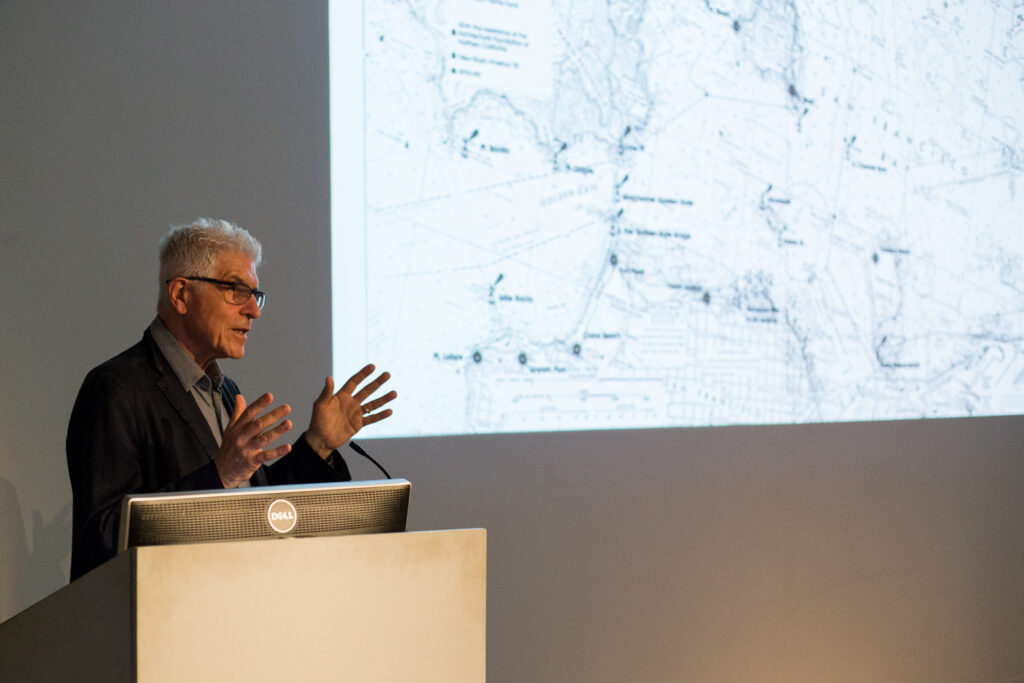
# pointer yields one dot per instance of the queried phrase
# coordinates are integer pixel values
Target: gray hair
(193, 249)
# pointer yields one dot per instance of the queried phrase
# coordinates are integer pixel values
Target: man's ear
(179, 294)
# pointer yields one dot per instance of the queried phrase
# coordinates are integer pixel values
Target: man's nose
(251, 309)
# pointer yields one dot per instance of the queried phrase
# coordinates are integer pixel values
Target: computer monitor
(264, 512)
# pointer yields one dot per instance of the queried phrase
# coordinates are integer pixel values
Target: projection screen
(592, 215)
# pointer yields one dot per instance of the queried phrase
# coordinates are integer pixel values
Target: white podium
(379, 607)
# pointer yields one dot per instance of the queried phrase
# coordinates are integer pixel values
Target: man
(162, 417)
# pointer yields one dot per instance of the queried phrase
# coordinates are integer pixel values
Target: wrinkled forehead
(237, 267)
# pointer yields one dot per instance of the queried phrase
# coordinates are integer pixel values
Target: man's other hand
(243, 445)
(338, 416)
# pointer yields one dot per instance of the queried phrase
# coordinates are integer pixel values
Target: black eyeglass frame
(235, 287)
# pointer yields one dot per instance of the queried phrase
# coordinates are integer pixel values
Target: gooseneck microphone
(359, 449)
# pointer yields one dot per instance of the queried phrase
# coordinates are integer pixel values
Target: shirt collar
(185, 368)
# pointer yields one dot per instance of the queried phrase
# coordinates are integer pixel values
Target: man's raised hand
(338, 416)
(243, 446)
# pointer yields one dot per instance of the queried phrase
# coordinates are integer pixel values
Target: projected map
(590, 215)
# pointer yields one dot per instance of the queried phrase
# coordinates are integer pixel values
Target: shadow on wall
(30, 573)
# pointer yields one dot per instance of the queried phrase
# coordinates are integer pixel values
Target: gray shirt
(204, 387)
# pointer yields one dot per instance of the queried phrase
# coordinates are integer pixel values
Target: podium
(378, 607)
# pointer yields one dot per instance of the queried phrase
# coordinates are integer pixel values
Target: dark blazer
(134, 429)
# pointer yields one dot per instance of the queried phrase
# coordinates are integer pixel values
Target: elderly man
(161, 416)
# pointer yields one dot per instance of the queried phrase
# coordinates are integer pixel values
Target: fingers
(278, 413)
(239, 409)
(368, 408)
(247, 427)
(271, 435)
(376, 403)
(376, 417)
(260, 430)
(328, 389)
(243, 413)
(354, 381)
(243, 446)
(284, 449)
(250, 413)
(373, 386)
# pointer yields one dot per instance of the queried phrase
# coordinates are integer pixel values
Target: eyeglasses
(240, 293)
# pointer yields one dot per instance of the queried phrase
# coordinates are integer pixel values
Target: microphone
(359, 449)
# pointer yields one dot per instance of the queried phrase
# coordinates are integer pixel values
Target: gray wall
(860, 552)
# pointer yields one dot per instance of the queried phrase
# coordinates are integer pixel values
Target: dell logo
(282, 516)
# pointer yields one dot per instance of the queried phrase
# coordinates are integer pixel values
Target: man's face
(216, 327)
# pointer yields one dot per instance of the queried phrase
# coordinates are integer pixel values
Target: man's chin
(234, 352)
(237, 349)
